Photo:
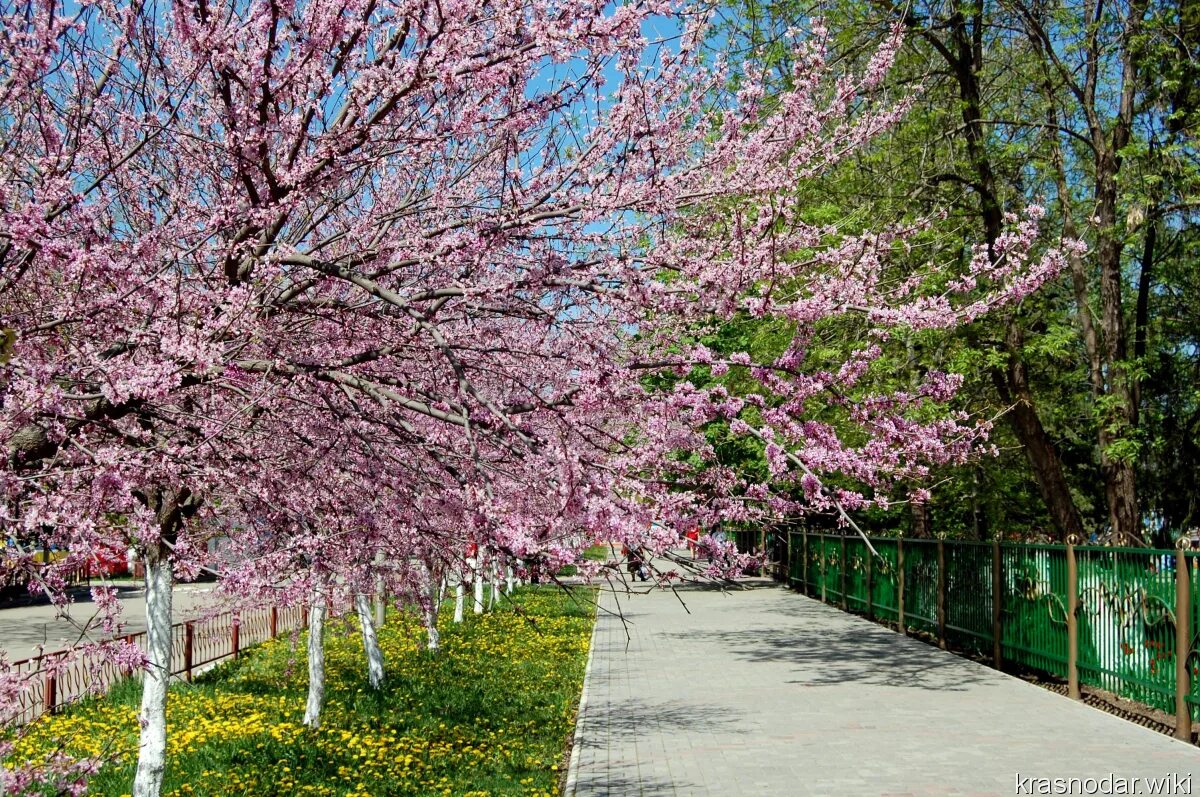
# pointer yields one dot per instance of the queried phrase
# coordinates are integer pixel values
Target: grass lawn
(597, 553)
(489, 715)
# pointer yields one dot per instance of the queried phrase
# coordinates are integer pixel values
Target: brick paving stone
(765, 692)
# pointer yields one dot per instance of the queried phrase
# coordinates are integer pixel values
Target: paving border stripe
(573, 767)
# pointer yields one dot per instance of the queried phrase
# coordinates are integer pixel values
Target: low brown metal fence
(53, 680)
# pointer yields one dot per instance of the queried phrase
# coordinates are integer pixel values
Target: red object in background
(108, 562)
(692, 537)
(472, 549)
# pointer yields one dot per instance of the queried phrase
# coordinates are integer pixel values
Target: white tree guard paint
(432, 610)
(375, 669)
(460, 594)
(380, 610)
(495, 585)
(477, 578)
(152, 743)
(380, 594)
(508, 580)
(316, 660)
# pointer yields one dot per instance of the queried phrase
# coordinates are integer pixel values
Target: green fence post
(997, 605)
(762, 537)
(842, 576)
(1183, 641)
(804, 586)
(941, 593)
(900, 584)
(824, 597)
(1072, 621)
(787, 570)
(870, 585)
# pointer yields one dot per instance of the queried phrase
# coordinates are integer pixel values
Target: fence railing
(52, 680)
(1125, 620)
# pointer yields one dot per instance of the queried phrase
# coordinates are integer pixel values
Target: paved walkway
(24, 628)
(766, 692)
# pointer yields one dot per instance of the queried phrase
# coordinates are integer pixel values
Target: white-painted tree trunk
(432, 609)
(152, 742)
(495, 585)
(316, 660)
(477, 578)
(508, 580)
(460, 595)
(375, 669)
(380, 594)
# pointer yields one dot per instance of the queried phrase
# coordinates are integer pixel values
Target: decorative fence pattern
(1125, 620)
(55, 679)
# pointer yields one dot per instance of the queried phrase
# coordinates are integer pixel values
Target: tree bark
(152, 744)
(170, 507)
(921, 524)
(375, 668)
(495, 584)
(380, 593)
(1120, 420)
(460, 594)
(1013, 386)
(433, 606)
(1107, 346)
(316, 660)
(477, 576)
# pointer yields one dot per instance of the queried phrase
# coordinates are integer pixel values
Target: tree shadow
(609, 728)
(609, 784)
(636, 717)
(825, 652)
(732, 587)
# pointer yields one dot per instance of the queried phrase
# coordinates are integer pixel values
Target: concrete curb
(573, 766)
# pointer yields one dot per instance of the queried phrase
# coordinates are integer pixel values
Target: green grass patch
(490, 714)
(596, 553)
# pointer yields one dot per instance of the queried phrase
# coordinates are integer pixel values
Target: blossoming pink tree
(333, 277)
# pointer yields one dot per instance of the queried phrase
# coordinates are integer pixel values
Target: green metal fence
(1104, 617)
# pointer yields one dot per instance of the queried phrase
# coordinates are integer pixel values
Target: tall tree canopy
(1091, 109)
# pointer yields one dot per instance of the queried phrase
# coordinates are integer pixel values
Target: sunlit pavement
(24, 628)
(763, 691)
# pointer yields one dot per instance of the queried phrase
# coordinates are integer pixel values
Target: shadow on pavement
(621, 784)
(838, 653)
(633, 718)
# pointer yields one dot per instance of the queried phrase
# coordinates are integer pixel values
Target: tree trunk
(152, 742)
(508, 580)
(433, 608)
(963, 53)
(477, 575)
(979, 521)
(380, 594)
(460, 594)
(1119, 423)
(316, 660)
(375, 668)
(921, 523)
(1013, 386)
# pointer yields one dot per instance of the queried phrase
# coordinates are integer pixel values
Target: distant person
(636, 563)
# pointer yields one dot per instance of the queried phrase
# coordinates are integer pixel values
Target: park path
(765, 692)
(25, 629)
